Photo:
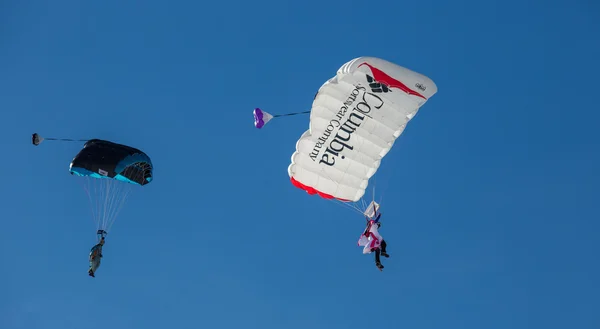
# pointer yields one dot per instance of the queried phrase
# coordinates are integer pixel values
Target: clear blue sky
(489, 196)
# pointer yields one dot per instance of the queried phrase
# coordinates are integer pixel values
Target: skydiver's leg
(377, 260)
(383, 246)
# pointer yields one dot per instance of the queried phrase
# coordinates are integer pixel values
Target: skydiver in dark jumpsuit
(96, 254)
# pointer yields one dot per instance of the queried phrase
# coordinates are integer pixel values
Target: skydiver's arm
(367, 229)
(377, 219)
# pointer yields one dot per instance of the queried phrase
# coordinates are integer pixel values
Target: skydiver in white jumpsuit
(373, 241)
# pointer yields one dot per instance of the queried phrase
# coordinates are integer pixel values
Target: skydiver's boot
(377, 260)
(91, 273)
(383, 252)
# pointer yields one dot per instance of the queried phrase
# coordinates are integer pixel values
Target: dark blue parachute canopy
(103, 159)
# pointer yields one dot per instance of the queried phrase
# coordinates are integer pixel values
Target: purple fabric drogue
(258, 118)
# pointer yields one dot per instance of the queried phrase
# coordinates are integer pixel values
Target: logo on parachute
(382, 82)
(355, 109)
(353, 112)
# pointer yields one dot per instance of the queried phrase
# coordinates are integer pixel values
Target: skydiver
(373, 241)
(96, 254)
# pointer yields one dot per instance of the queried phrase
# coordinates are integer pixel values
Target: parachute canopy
(104, 159)
(355, 119)
(109, 171)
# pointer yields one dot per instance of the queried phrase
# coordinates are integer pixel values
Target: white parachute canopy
(355, 119)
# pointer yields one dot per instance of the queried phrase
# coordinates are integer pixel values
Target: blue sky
(488, 197)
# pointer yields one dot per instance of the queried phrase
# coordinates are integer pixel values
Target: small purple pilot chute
(261, 118)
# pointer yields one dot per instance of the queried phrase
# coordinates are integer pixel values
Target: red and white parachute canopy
(355, 119)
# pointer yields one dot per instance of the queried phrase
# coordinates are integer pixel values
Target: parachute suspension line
(376, 209)
(97, 193)
(383, 192)
(381, 199)
(374, 186)
(289, 114)
(352, 207)
(117, 193)
(113, 191)
(118, 204)
(106, 197)
(86, 187)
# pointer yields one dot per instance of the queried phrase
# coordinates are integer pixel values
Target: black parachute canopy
(104, 159)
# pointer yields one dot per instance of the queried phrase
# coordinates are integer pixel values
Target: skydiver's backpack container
(372, 209)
